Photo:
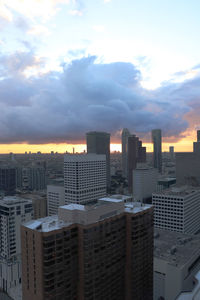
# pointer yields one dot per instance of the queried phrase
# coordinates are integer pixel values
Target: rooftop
(46, 224)
(175, 248)
(13, 200)
(84, 157)
(118, 206)
(179, 191)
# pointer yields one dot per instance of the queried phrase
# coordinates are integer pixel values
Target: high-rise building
(196, 145)
(99, 143)
(13, 212)
(188, 165)
(144, 183)
(177, 209)
(136, 154)
(176, 262)
(31, 178)
(39, 202)
(55, 198)
(125, 135)
(101, 251)
(84, 177)
(157, 149)
(171, 152)
(7, 180)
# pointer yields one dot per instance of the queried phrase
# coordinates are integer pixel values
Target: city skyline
(69, 66)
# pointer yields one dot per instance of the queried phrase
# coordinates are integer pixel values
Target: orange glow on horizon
(184, 145)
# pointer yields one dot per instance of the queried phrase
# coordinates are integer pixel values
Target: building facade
(136, 154)
(125, 135)
(157, 149)
(84, 177)
(104, 251)
(55, 198)
(99, 143)
(176, 262)
(13, 212)
(144, 183)
(177, 209)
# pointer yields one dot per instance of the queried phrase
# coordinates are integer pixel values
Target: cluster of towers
(133, 153)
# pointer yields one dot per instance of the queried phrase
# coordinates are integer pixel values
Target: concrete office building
(157, 149)
(13, 212)
(39, 203)
(84, 177)
(136, 154)
(177, 209)
(100, 251)
(196, 145)
(144, 183)
(125, 135)
(55, 198)
(176, 262)
(99, 143)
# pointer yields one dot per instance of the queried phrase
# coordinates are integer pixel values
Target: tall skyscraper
(196, 145)
(84, 177)
(157, 149)
(13, 211)
(171, 152)
(136, 154)
(104, 251)
(125, 135)
(99, 143)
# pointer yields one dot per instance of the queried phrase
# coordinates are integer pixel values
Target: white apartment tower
(84, 177)
(177, 209)
(13, 212)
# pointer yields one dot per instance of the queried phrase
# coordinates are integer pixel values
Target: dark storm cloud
(62, 106)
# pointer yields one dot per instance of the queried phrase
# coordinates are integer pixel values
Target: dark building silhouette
(136, 154)
(106, 255)
(7, 180)
(157, 149)
(99, 143)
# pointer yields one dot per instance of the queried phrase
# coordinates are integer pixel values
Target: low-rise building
(176, 262)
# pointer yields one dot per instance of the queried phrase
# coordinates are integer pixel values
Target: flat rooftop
(13, 200)
(84, 157)
(175, 248)
(179, 191)
(56, 222)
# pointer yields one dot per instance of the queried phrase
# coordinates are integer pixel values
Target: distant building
(176, 262)
(55, 198)
(136, 154)
(31, 178)
(144, 183)
(13, 212)
(99, 143)
(171, 152)
(188, 165)
(90, 252)
(177, 209)
(125, 135)
(39, 202)
(157, 149)
(84, 177)
(7, 180)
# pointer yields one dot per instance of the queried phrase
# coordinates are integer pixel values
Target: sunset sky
(68, 67)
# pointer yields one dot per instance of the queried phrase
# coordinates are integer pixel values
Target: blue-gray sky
(67, 67)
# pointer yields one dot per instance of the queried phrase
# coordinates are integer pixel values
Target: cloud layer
(61, 106)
